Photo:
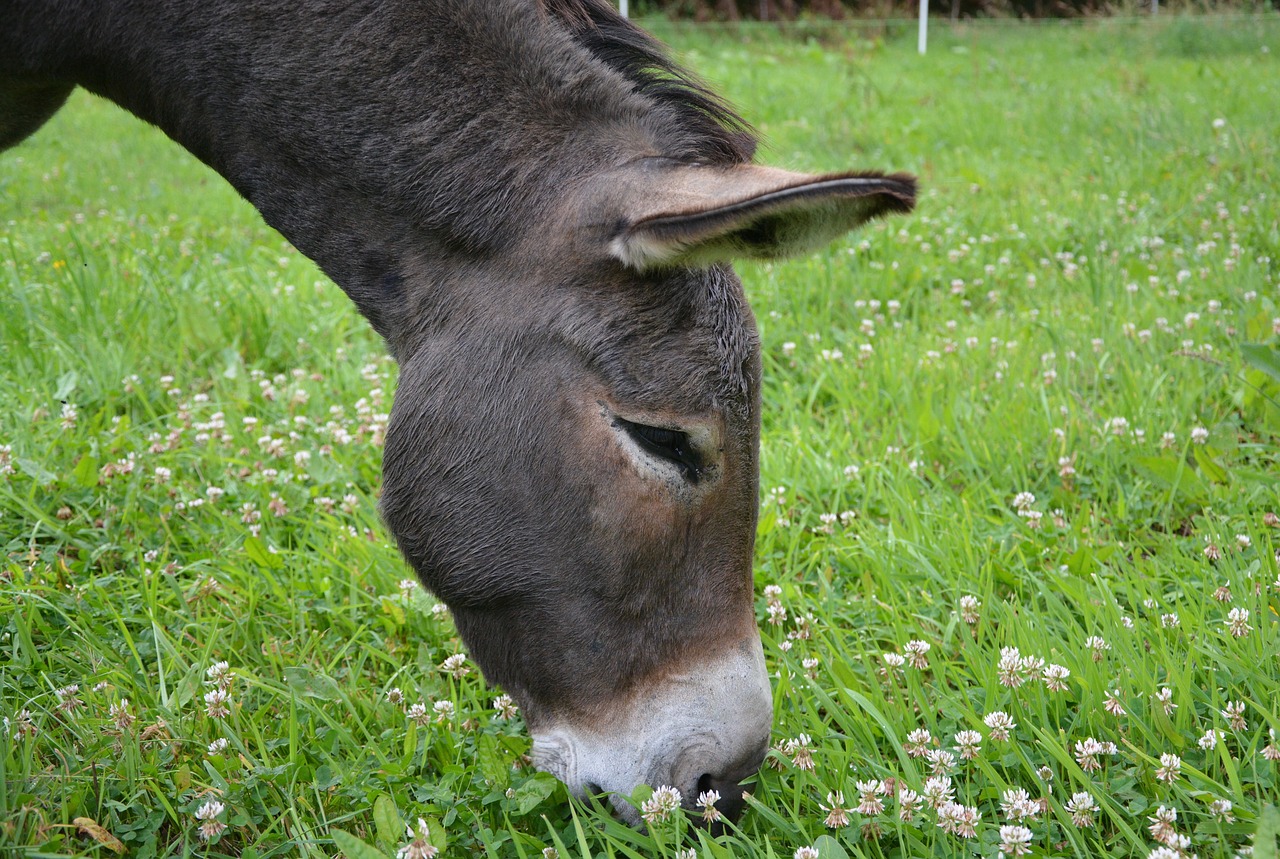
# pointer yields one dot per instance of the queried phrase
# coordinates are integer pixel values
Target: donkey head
(572, 466)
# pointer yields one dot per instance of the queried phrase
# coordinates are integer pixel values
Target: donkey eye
(669, 444)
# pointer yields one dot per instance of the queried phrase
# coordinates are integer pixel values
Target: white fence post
(622, 7)
(924, 25)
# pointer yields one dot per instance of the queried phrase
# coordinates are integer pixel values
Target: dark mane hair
(717, 133)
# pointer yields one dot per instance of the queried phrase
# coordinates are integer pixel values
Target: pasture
(1020, 486)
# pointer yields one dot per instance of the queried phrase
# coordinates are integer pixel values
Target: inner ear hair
(793, 215)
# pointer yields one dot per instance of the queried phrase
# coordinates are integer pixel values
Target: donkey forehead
(683, 339)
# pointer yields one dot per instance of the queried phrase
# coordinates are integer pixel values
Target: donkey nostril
(730, 804)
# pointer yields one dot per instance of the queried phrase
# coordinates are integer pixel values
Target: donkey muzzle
(698, 729)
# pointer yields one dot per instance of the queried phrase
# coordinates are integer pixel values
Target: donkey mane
(713, 132)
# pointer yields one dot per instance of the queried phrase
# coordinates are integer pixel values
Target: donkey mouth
(702, 732)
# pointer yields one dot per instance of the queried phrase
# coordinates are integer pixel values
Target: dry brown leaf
(90, 827)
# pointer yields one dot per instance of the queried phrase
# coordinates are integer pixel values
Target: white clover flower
(957, 819)
(1170, 768)
(1209, 741)
(1162, 822)
(968, 744)
(1001, 725)
(1010, 669)
(1067, 466)
(1016, 804)
(1014, 841)
(119, 713)
(504, 707)
(937, 791)
(918, 742)
(23, 725)
(419, 846)
(941, 761)
(219, 746)
(215, 704)
(1270, 751)
(707, 802)
(69, 698)
(837, 814)
(1082, 808)
(456, 665)
(658, 807)
(1087, 752)
(915, 651)
(869, 793)
(1055, 678)
(1117, 426)
(210, 826)
(1237, 622)
(219, 675)
(801, 752)
(804, 627)
(908, 803)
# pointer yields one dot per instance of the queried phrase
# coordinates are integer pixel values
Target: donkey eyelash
(670, 444)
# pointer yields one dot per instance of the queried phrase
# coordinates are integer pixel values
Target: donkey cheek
(635, 519)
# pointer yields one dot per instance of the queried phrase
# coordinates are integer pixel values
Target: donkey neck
(365, 130)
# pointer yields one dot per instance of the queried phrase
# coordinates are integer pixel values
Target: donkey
(534, 207)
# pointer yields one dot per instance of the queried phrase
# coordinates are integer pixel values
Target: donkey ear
(703, 215)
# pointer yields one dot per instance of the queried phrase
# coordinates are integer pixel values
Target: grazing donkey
(534, 207)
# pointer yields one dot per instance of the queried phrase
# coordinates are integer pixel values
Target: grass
(1094, 263)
